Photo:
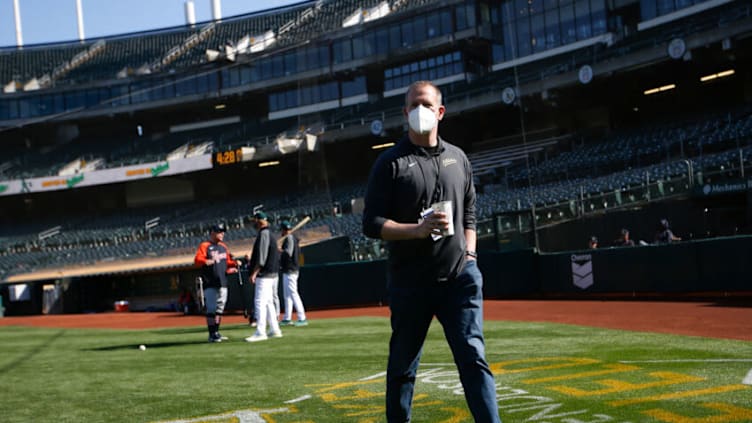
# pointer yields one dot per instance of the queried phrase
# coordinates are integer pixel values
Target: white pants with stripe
(292, 298)
(264, 304)
(215, 300)
(275, 296)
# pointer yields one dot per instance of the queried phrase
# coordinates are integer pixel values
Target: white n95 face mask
(422, 120)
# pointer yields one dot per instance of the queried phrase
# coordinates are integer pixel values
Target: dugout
(717, 267)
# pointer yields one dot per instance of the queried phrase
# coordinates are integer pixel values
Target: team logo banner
(582, 270)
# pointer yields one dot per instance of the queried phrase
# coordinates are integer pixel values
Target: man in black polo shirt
(431, 272)
(264, 267)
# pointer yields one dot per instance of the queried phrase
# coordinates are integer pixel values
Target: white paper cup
(445, 207)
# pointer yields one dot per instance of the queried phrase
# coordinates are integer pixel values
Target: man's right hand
(210, 262)
(434, 223)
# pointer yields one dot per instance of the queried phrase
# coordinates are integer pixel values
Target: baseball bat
(238, 266)
(299, 225)
(200, 291)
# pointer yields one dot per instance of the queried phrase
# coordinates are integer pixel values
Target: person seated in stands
(186, 303)
(624, 240)
(664, 234)
(593, 242)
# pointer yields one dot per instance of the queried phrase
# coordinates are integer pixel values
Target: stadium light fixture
(219, 106)
(713, 76)
(288, 145)
(212, 55)
(660, 89)
(267, 164)
(380, 146)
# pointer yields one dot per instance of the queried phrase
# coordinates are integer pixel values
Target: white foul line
(293, 401)
(382, 374)
(376, 376)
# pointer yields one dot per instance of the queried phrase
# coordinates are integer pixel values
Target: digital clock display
(228, 157)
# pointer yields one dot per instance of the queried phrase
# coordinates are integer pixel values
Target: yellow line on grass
(612, 368)
(676, 395)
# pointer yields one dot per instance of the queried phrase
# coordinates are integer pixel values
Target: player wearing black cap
(214, 259)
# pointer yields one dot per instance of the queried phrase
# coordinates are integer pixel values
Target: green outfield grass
(332, 371)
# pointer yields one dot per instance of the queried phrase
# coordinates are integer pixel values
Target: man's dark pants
(458, 305)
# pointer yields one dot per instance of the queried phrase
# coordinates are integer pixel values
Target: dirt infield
(730, 320)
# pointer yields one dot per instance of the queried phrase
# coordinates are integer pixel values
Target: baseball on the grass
(142, 347)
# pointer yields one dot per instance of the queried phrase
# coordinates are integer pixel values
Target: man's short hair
(423, 83)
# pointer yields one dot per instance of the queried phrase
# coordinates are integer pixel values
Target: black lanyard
(436, 196)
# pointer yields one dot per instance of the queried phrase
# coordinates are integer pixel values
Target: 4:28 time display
(228, 157)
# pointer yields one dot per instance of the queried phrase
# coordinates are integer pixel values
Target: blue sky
(45, 21)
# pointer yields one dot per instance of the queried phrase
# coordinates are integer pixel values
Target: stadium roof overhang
(164, 263)
(182, 262)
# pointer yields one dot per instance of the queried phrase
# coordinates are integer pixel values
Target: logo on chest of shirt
(217, 255)
(448, 162)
